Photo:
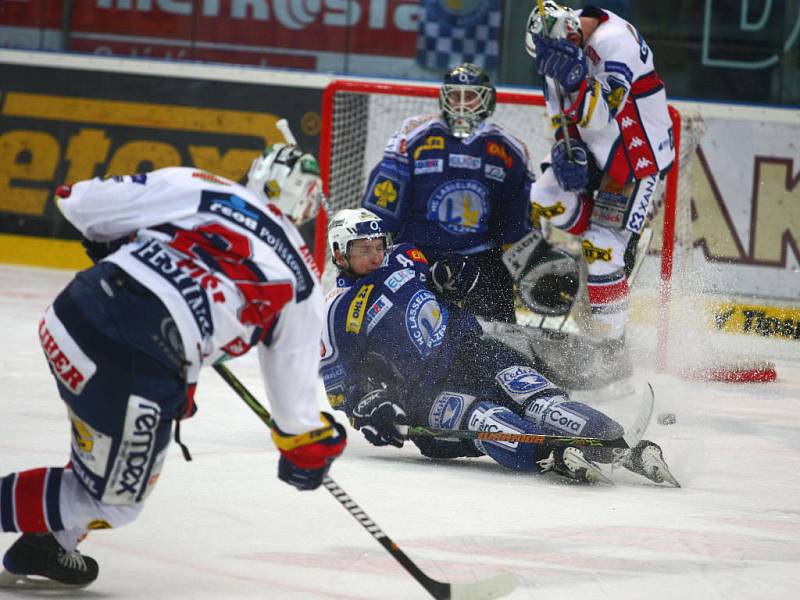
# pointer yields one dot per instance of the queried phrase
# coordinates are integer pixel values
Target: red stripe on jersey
(607, 294)
(29, 501)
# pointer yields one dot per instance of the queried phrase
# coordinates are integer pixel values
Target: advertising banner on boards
(64, 125)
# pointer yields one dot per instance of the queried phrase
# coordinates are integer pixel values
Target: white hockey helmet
(354, 224)
(466, 98)
(288, 178)
(560, 22)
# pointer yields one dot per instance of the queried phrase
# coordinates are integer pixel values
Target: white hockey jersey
(233, 273)
(621, 109)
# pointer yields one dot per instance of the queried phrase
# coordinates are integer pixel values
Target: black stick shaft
(437, 589)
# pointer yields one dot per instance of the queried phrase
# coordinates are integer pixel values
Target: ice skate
(40, 555)
(570, 462)
(646, 459)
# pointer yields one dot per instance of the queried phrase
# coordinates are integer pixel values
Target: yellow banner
(764, 321)
(43, 252)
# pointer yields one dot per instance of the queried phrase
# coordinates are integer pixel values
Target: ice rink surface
(223, 526)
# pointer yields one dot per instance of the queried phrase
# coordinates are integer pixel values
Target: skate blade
(666, 477)
(27, 582)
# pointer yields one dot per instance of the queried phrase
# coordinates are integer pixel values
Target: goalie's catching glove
(572, 174)
(307, 457)
(381, 419)
(454, 277)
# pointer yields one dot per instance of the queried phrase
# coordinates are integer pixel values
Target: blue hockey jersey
(445, 194)
(389, 325)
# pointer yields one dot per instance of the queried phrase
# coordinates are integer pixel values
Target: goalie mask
(289, 179)
(354, 224)
(560, 22)
(466, 99)
(550, 286)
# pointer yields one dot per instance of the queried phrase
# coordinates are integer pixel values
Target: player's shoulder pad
(616, 43)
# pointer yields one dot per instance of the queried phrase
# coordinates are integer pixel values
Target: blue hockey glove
(454, 277)
(562, 60)
(572, 174)
(381, 418)
(307, 457)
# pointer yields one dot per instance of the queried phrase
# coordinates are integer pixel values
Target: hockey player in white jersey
(191, 268)
(613, 145)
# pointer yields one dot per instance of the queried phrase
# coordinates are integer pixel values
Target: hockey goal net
(359, 117)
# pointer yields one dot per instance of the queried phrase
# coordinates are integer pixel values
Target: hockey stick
(628, 440)
(486, 589)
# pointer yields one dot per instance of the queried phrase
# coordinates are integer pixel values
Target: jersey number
(230, 252)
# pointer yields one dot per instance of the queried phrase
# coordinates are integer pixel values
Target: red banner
(277, 32)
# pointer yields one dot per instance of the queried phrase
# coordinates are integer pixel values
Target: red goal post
(359, 116)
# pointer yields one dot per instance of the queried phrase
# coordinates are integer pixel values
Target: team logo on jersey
(494, 172)
(593, 253)
(67, 361)
(447, 410)
(498, 150)
(98, 524)
(398, 279)
(464, 161)
(377, 311)
(460, 206)
(520, 382)
(614, 97)
(426, 322)
(432, 142)
(431, 165)
(384, 195)
(357, 310)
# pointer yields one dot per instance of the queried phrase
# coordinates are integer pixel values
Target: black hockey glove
(572, 174)
(454, 277)
(97, 251)
(381, 418)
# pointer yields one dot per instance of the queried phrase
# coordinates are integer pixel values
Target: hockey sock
(29, 501)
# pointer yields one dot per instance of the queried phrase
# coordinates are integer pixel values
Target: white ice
(223, 526)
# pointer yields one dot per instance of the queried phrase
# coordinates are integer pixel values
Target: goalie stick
(629, 439)
(486, 589)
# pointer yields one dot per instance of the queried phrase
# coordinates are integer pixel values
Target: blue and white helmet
(560, 22)
(289, 179)
(355, 224)
(466, 98)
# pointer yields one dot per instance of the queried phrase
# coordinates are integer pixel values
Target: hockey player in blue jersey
(399, 349)
(456, 183)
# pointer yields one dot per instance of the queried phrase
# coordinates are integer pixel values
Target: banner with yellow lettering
(62, 126)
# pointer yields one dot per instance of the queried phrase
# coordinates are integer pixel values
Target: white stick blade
(494, 587)
(636, 431)
(286, 132)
